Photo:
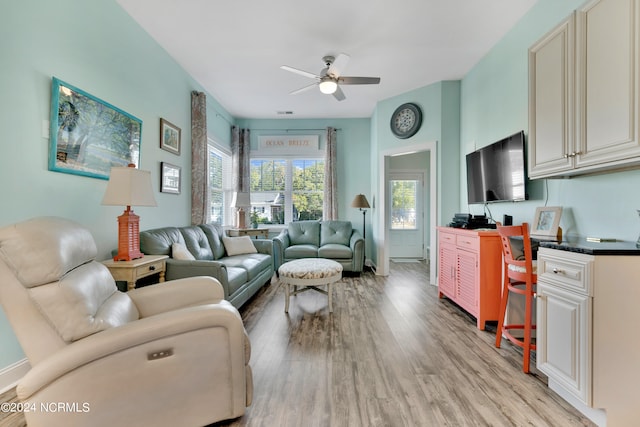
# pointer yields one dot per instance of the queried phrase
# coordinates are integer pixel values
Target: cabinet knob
(152, 268)
(557, 271)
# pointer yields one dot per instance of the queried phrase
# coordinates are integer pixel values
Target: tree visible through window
(403, 204)
(219, 185)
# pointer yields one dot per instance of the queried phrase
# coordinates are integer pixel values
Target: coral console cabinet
(470, 271)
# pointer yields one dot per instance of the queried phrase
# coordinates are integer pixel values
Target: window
(404, 196)
(285, 190)
(220, 185)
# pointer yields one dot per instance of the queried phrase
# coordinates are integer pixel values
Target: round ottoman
(309, 273)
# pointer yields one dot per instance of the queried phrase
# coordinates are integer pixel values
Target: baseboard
(369, 263)
(10, 375)
(598, 416)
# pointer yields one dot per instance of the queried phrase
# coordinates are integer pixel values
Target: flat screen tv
(496, 173)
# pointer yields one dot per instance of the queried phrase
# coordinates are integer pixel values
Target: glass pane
(268, 175)
(307, 206)
(216, 187)
(403, 204)
(268, 207)
(217, 207)
(308, 175)
(215, 170)
(308, 189)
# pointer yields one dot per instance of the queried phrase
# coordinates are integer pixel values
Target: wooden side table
(132, 271)
(253, 232)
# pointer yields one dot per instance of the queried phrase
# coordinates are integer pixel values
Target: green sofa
(241, 275)
(335, 240)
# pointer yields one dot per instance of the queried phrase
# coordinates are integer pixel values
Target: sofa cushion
(301, 251)
(335, 251)
(197, 242)
(254, 264)
(180, 252)
(159, 241)
(238, 245)
(304, 233)
(214, 233)
(338, 232)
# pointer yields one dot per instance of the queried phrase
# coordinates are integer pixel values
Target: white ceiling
(234, 49)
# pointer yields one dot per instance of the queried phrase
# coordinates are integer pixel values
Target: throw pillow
(238, 245)
(180, 251)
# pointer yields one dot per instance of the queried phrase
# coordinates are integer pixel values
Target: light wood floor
(391, 354)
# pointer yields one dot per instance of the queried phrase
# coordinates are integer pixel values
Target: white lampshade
(129, 186)
(328, 85)
(240, 199)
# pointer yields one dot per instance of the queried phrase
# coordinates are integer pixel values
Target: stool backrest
(517, 252)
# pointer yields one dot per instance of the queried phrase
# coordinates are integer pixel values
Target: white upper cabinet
(583, 92)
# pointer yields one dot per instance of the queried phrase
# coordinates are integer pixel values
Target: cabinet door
(564, 339)
(467, 271)
(551, 101)
(446, 277)
(607, 79)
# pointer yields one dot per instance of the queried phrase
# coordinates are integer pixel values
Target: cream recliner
(170, 354)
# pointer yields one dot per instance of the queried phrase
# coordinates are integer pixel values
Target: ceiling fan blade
(339, 65)
(300, 72)
(303, 89)
(359, 80)
(339, 94)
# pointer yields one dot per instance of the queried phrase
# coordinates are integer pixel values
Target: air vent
(285, 113)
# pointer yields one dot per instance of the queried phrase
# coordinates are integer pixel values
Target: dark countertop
(581, 245)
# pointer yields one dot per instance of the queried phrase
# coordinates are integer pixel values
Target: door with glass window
(406, 219)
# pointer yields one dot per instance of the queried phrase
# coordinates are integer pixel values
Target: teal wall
(495, 104)
(440, 105)
(98, 48)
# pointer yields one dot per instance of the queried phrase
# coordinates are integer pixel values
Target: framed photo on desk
(546, 221)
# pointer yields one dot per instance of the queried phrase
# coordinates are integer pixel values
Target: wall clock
(406, 120)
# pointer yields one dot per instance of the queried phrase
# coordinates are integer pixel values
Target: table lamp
(240, 200)
(361, 203)
(128, 187)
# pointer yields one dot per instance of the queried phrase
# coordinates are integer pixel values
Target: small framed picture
(169, 178)
(169, 137)
(546, 221)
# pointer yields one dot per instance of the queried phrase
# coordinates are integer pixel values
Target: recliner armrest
(82, 354)
(174, 294)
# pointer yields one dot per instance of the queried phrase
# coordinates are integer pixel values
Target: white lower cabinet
(564, 339)
(587, 339)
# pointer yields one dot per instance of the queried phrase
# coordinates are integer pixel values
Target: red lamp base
(128, 236)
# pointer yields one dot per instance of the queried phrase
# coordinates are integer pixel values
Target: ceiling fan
(329, 79)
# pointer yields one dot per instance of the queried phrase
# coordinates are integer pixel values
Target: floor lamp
(361, 203)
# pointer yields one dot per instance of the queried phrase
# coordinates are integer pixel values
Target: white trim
(382, 238)
(10, 375)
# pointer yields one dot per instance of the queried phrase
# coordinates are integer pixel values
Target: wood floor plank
(391, 354)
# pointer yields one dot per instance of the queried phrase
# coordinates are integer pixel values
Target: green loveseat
(335, 240)
(241, 275)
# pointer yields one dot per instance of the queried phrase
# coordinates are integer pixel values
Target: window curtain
(240, 159)
(330, 203)
(199, 162)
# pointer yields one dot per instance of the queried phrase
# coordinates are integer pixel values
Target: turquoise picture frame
(88, 135)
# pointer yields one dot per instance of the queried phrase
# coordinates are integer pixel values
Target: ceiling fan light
(328, 86)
